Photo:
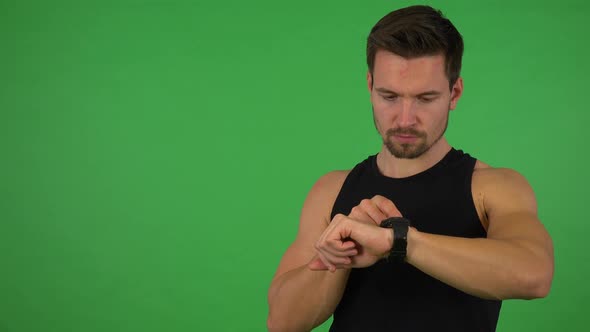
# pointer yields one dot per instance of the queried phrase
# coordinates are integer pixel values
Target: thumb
(316, 264)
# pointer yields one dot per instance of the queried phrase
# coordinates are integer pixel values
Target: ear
(369, 81)
(456, 93)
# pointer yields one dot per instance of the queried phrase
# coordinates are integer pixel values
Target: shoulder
(323, 193)
(500, 190)
(492, 178)
(330, 180)
(325, 190)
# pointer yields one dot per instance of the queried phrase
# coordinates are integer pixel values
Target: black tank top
(391, 296)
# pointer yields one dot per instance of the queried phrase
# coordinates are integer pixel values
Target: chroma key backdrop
(155, 154)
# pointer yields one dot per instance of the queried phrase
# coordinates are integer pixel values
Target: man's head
(414, 59)
(417, 31)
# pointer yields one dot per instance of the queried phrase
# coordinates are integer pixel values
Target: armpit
(477, 192)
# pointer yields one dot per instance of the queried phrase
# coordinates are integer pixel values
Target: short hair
(417, 31)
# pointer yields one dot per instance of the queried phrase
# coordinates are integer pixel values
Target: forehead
(425, 72)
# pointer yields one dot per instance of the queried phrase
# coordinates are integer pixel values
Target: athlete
(420, 236)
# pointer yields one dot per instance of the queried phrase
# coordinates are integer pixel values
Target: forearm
(301, 299)
(487, 268)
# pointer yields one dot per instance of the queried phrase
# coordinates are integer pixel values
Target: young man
(421, 236)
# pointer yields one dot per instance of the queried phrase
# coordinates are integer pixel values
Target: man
(421, 236)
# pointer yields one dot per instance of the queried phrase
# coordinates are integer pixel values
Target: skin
(411, 103)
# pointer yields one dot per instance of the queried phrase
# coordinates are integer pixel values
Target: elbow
(542, 287)
(271, 325)
(276, 325)
(276, 320)
(537, 284)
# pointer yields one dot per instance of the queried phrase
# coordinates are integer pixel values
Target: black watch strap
(400, 227)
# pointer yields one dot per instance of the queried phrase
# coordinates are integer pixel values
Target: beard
(406, 150)
(410, 150)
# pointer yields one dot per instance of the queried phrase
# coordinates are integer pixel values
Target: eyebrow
(422, 94)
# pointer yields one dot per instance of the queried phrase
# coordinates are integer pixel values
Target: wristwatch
(400, 227)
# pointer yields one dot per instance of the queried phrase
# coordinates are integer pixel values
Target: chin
(407, 151)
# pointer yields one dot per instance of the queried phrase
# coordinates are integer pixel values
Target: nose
(407, 117)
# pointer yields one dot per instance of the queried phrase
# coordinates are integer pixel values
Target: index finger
(386, 206)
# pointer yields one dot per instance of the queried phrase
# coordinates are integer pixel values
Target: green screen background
(155, 154)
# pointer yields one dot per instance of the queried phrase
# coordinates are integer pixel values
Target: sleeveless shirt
(392, 296)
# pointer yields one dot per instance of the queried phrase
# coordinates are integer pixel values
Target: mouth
(405, 138)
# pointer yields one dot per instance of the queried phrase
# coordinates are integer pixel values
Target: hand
(374, 210)
(350, 243)
(352, 251)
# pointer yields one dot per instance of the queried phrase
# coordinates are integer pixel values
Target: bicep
(512, 210)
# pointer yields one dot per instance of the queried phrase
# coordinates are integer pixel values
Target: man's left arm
(514, 261)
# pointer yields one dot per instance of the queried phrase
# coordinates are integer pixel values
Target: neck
(393, 167)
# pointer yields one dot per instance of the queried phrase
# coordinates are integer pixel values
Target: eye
(425, 99)
(390, 98)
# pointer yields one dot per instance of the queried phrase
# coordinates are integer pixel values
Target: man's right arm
(299, 298)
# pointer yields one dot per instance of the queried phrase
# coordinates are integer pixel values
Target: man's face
(411, 101)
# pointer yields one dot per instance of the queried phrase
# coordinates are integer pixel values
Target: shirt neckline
(453, 153)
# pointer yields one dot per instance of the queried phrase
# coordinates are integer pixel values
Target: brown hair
(417, 31)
